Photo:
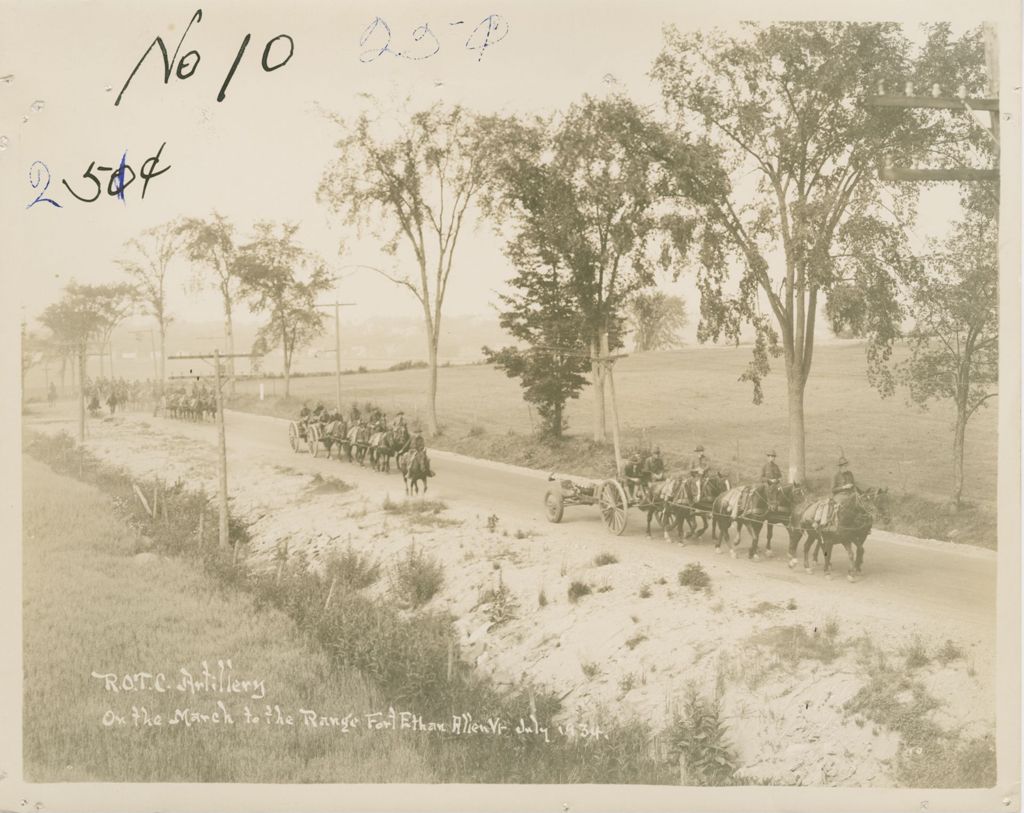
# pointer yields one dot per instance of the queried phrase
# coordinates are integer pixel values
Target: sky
(259, 154)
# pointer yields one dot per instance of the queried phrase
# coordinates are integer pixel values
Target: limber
(412, 657)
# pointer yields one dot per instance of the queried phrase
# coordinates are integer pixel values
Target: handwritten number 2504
(35, 177)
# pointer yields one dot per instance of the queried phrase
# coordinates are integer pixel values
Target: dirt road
(939, 580)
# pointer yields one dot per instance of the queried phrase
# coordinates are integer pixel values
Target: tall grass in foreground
(91, 606)
(406, 659)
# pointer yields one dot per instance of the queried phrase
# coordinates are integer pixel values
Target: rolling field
(677, 399)
(91, 604)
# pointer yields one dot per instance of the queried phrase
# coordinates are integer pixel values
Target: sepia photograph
(615, 403)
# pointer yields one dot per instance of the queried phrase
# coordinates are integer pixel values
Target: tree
(790, 209)
(413, 188)
(148, 270)
(34, 349)
(551, 369)
(656, 319)
(266, 268)
(210, 243)
(78, 318)
(582, 195)
(116, 302)
(953, 297)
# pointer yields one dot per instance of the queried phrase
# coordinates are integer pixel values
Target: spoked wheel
(313, 434)
(293, 436)
(614, 506)
(554, 505)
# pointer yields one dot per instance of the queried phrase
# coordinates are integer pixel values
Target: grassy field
(91, 605)
(677, 399)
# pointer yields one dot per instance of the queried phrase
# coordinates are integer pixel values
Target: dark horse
(385, 445)
(334, 433)
(415, 469)
(765, 505)
(849, 526)
(358, 441)
(688, 508)
(666, 497)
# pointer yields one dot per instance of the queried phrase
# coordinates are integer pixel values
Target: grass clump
(915, 655)
(328, 485)
(578, 590)
(645, 591)
(636, 640)
(694, 576)
(793, 643)
(590, 669)
(949, 652)
(603, 559)
(417, 577)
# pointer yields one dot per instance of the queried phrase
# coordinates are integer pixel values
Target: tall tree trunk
(163, 353)
(797, 451)
(597, 378)
(959, 435)
(432, 427)
(81, 394)
(229, 333)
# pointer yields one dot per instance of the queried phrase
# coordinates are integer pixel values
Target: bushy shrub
(417, 576)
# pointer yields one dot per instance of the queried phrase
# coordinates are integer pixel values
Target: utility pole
(608, 362)
(941, 101)
(337, 342)
(222, 448)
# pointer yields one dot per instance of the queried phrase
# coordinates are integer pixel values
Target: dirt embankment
(816, 681)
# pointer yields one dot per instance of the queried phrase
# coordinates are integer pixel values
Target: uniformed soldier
(770, 472)
(632, 472)
(843, 482)
(699, 462)
(654, 465)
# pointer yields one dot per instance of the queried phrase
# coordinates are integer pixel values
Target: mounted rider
(699, 465)
(417, 446)
(844, 487)
(771, 475)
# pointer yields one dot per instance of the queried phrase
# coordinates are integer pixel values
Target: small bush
(577, 590)
(417, 577)
(542, 598)
(627, 682)
(492, 523)
(503, 604)
(694, 576)
(476, 431)
(352, 569)
(645, 591)
(699, 737)
(403, 365)
(605, 559)
(590, 669)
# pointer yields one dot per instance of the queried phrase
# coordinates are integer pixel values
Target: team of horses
(360, 443)
(199, 406)
(681, 503)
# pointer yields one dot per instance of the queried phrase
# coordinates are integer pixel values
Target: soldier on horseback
(843, 489)
(699, 465)
(771, 475)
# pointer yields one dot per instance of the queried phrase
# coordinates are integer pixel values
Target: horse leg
(827, 551)
(860, 558)
(795, 534)
(850, 555)
(768, 540)
(811, 540)
(755, 533)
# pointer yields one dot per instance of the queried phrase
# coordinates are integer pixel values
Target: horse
(727, 508)
(849, 525)
(415, 469)
(358, 440)
(664, 496)
(768, 505)
(334, 433)
(384, 445)
(694, 508)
